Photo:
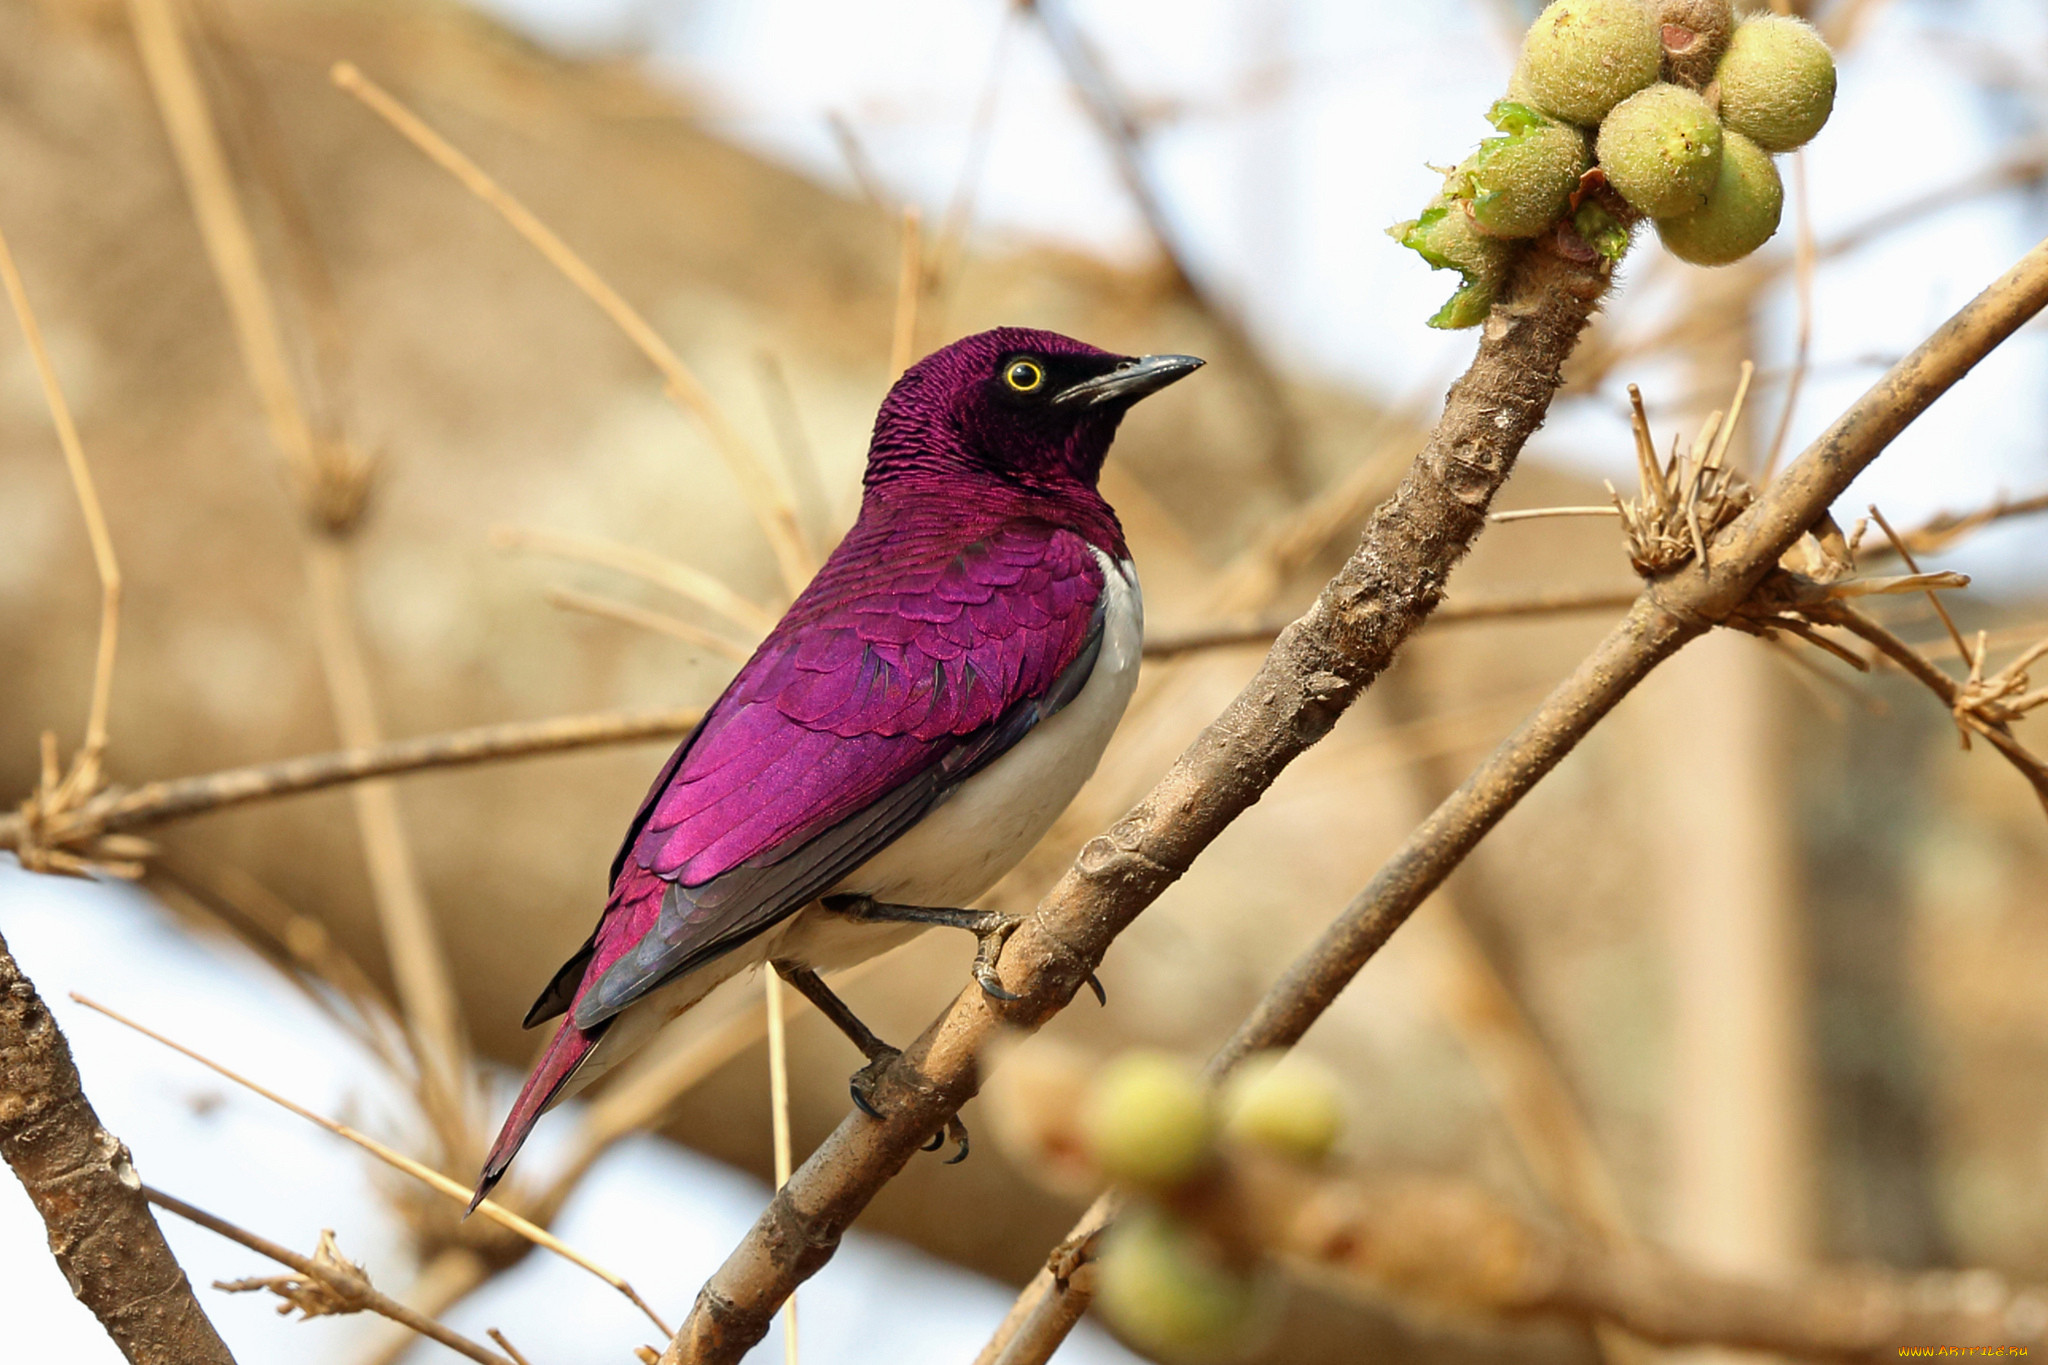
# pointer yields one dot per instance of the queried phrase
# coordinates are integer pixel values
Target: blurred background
(1767, 950)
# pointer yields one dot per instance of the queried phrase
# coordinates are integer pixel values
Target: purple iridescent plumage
(962, 608)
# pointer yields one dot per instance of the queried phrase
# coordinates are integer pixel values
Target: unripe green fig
(1741, 211)
(1285, 1103)
(1583, 57)
(1661, 149)
(1777, 82)
(1517, 185)
(1445, 237)
(1148, 1120)
(1171, 1295)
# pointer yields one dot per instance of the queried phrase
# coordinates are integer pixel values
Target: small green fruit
(1583, 57)
(1445, 237)
(1285, 1103)
(1661, 149)
(1148, 1121)
(1170, 1294)
(1777, 82)
(1741, 211)
(1517, 185)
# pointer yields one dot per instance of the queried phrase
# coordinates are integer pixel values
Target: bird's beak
(1128, 382)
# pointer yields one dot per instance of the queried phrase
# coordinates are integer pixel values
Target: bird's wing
(878, 694)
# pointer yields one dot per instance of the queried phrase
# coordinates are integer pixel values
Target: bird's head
(1022, 406)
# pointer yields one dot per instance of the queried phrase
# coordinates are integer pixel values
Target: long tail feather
(567, 1051)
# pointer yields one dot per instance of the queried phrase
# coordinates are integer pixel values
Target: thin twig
(778, 1108)
(661, 623)
(354, 1292)
(1672, 610)
(397, 1160)
(1803, 258)
(83, 779)
(1540, 513)
(1167, 646)
(1940, 609)
(909, 286)
(154, 803)
(764, 494)
(686, 581)
(507, 1347)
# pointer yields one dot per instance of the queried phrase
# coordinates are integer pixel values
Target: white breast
(968, 841)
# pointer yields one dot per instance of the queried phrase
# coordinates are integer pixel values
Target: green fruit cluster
(1684, 108)
(1172, 1285)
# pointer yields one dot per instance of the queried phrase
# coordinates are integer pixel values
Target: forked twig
(397, 1160)
(56, 796)
(771, 504)
(661, 623)
(686, 581)
(335, 1285)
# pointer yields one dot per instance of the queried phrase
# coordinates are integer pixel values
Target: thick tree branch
(118, 809)
(81, 1180)
(1672, 610)
(1314, 671)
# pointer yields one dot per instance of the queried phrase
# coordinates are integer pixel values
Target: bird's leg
(878, 1053)
(991, 930)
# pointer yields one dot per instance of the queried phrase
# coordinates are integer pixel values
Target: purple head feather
(1023, 407)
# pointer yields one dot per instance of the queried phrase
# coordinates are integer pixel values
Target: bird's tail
(566, 1052)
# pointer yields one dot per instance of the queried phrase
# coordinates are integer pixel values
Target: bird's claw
(988, 951)
(956, 1131)
(863, 1083)
(1101, 995)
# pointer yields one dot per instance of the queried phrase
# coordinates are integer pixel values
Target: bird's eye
(1024, 376)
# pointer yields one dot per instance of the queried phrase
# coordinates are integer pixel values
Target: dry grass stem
(325, 1282)
(154, 803)
(685, 581)
(1543, 513)
(1167, 646)
(661, 623)
(1944, 529)
(909, 286)
(1803, 258)
(507, 1347)
(58, 796)
(770, 503)
(397, 1160)
(778, 1110)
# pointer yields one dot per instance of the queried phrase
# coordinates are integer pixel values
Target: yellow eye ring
(1024, 376)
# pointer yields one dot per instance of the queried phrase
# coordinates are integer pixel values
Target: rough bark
(80, 1178)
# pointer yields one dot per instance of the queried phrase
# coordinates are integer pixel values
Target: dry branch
(81, 1180)
(1673, 609)
(327, 1283)
(1314, 671)
(154, 803)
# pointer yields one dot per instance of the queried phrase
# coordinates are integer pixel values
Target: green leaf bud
(1601, 230)
(1517, 185)
(1777, 82)
(1661, 149)
(1583, 57)
(1741, 211)
(1285, 1103)
(1445, 237)
(1169, 1293)
(1148, 1121)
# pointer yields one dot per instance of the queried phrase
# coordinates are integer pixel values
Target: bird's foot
(869, 1077)
(991, 930)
